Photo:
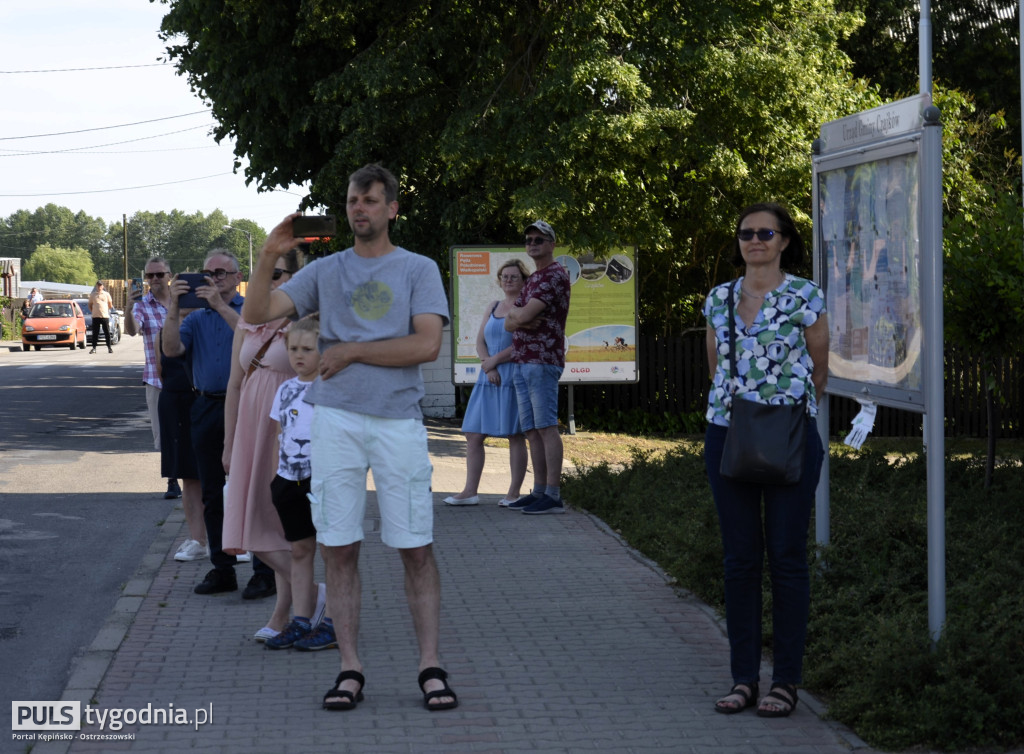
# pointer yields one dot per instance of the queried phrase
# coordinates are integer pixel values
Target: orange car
(58, 322)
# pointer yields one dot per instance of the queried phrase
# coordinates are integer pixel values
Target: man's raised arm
(261, 303)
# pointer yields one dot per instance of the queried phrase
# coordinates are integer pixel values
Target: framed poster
(600, 330)
(867, 238)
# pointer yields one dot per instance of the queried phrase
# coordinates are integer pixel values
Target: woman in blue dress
(492, 410)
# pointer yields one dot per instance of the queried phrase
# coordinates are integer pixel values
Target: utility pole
(247, 235)
(124, 231)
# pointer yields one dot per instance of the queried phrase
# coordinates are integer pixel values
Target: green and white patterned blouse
(772, 359)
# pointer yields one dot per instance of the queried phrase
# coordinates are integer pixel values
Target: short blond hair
(309, 324)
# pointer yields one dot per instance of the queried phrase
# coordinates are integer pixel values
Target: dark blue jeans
(745, 538)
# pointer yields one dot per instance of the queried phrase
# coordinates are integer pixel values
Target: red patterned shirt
(546, 344)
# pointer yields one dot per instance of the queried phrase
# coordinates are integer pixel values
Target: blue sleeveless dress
(492, 409)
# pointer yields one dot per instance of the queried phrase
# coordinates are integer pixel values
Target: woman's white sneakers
(452, 500)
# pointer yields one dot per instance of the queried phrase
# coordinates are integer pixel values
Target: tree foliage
(183, 239)
(622, 122)
(55, 226)
(974, 49)
(58, 265)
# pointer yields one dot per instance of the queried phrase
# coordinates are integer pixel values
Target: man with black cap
(537, 324)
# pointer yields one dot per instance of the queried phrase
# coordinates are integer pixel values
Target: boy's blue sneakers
(291, 634)
(321, 637)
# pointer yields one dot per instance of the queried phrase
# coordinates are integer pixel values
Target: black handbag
(764, 443)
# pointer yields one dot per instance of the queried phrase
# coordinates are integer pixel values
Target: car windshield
(51, 310)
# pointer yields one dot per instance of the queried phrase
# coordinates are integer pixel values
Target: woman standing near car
(781, 341)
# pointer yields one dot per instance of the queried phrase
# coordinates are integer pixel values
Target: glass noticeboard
(869, 250)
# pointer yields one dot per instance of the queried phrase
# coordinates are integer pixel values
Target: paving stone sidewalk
(557, 637)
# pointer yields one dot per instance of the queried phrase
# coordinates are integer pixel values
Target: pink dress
(250, 519)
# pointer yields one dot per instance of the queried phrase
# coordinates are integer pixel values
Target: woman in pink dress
(251, 522)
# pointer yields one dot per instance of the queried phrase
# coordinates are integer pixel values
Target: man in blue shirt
(205, 335)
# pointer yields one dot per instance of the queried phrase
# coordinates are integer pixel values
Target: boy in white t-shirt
(290, 488)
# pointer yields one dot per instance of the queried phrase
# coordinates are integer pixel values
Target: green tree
(984, 308)
(638, 122)
(974, 49)
(60, 227)
(57, 265)
(180, 238)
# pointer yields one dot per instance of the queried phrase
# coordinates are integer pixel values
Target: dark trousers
(208, 444)
(745, 538)
(97, 323)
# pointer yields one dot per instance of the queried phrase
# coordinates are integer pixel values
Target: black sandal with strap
(787, 701)
(345, 700)
(748, 692)
(440, 675)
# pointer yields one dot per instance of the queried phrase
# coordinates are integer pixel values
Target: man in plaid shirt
(146, 317)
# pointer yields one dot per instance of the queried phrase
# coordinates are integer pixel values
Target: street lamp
(247, 235)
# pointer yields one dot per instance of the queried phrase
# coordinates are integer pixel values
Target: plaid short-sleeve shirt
(149, 315)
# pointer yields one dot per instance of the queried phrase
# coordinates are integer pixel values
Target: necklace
(745, 292)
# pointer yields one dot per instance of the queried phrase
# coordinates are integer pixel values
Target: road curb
(90, 667)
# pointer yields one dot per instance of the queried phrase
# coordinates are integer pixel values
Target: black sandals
(782, 697)
(438, 674)
(746, 691)
(342, 699)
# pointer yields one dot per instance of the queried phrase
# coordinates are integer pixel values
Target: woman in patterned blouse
(781, 357)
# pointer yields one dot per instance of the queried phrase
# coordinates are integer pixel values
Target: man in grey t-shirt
(382, 310)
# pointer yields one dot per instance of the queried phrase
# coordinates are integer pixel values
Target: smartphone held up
(312, 227)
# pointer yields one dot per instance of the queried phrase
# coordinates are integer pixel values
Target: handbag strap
(255, 362)
(733, 371)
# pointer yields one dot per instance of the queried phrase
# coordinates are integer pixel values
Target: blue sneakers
(523, 502)
(544, 504)
(321, 637)
(291, 634)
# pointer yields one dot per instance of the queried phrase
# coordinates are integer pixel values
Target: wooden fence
(674, 381)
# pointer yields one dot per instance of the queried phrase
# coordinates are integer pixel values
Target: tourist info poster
(601, 329)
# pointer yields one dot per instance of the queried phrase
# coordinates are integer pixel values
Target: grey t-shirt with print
(363, 299)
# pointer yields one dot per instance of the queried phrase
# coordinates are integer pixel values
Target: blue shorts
(537, 394)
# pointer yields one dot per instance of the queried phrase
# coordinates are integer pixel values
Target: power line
(22, 153)
(107, 191)
(103, 128)
(96, 68)
(121, 151)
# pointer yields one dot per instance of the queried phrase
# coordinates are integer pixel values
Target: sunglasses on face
(219, 273)
(278, 272)
(535, 240)
(763, 234)
(157, 275)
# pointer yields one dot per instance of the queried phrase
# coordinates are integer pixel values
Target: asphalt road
(80, 501)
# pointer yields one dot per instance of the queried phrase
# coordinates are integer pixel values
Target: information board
(867, 220)
(600, 330)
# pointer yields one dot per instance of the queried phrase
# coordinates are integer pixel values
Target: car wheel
(39, 348)
(72, 345)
